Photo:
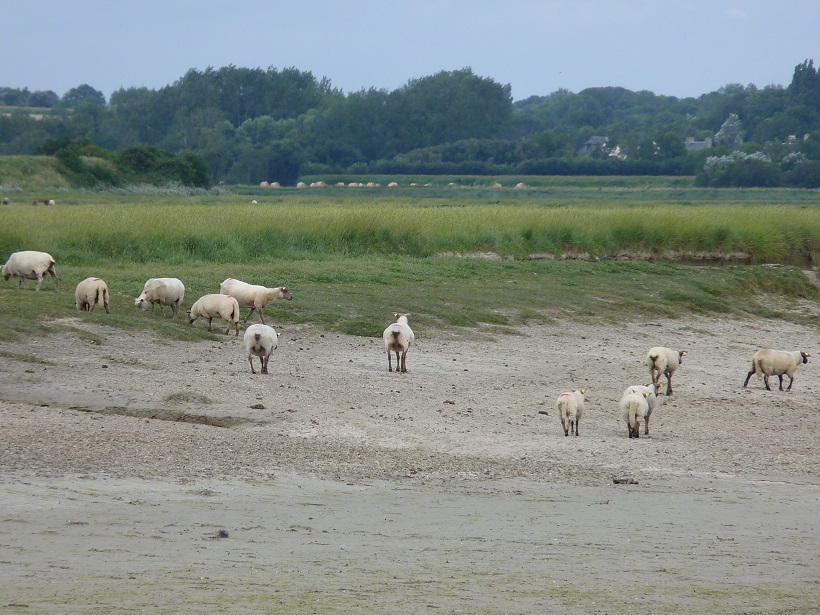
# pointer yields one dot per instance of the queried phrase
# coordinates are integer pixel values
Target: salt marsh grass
(343, 257)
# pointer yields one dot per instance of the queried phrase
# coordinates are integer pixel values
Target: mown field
(466, 257)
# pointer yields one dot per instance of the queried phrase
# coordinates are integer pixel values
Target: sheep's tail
(632, 415)
(757, 368)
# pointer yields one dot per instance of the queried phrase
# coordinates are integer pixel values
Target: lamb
(260, 341)
(211, 306)
(90, 293)
(634, 408)
(768, 362)
(651, 391)
(663, 361)
(253, 296)
(397, 338)
(30, 265)
(165, 291)
(570, 409)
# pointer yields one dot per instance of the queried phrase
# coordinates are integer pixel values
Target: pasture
(471, 261)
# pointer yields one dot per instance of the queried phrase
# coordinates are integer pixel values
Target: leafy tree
(731, 132)
(82, 94)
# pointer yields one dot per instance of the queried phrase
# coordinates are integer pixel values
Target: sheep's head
(681, 354)
(141, 303)
(286, 293)
(6, 274)
(805, 355)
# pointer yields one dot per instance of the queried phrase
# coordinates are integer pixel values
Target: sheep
(90, 293)
(211, 306)
(634, 408)
(275, 185)
(264, 185)
(260, 341)
(253, 296)
(397, 338)
(48, 202)
(254, 202)
(30, 265)
(34, 203)
(520, 186)
(651, 399)
(165, 291)
(301, 185)
(6, 200)
(663, 361)
(393, 185)
(570, 409)
(768, 362)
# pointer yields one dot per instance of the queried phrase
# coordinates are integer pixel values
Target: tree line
(247, 125)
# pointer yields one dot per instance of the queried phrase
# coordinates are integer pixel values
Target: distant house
(592, 145)
(693, 146)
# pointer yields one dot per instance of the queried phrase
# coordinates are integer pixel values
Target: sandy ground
(143, 475)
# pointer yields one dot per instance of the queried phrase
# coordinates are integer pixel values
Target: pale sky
(670, 47)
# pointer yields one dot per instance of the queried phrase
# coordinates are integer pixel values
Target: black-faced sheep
(397, 338)
(663, 361)
(90, 293)
(570, 408)
(260, 341)
(253, 296)
(30, 265)
(768, 362)
(164, 291)
(211, 306)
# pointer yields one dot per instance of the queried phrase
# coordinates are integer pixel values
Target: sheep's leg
(54, 276)
(264, 361)
(250, 360)
(175, 309)
(210, 320)
(389, 361)
(261, 315)
(249, 314)
(39, 282)
(646, 426)
(576, 426)
(791, 379)
(668, 384)
(766, 381)
(404, 362)
(749, 375)
(781, 382)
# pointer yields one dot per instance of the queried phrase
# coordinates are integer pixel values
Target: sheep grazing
(768, 362)
(211, 306)
(260, 341)
(570, 409)
(651, 391)
(90, 293)
(397, 338)
(253, 296)
(663, 361)
(264, 185)
(164, 291)
(634, 409)
(30, 265)
(48, 202)
(6, 200)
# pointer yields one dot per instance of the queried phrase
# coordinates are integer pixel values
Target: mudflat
(139, 474)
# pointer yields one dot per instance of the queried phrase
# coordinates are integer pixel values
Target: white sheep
(48, 202)
(397, 338)
(30, 265)
(90, 293)
(252, 295)
(264, 185)
(164, 291)
(260, 341)
(663, 361)
(651, 391)
(6, 200)
(768, 362)
(211, 306)
(570, 408)
(634, 409)
(393, 185)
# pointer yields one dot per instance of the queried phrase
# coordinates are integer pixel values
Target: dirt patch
(451, 488)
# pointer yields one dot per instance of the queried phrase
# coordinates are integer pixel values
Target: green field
(351, 257)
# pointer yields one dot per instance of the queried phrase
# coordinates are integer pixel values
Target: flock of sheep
(636, 404)
(638, 401)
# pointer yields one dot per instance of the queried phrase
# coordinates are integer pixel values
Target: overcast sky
(670, 47)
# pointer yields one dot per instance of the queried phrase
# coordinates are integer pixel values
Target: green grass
(353, 259)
